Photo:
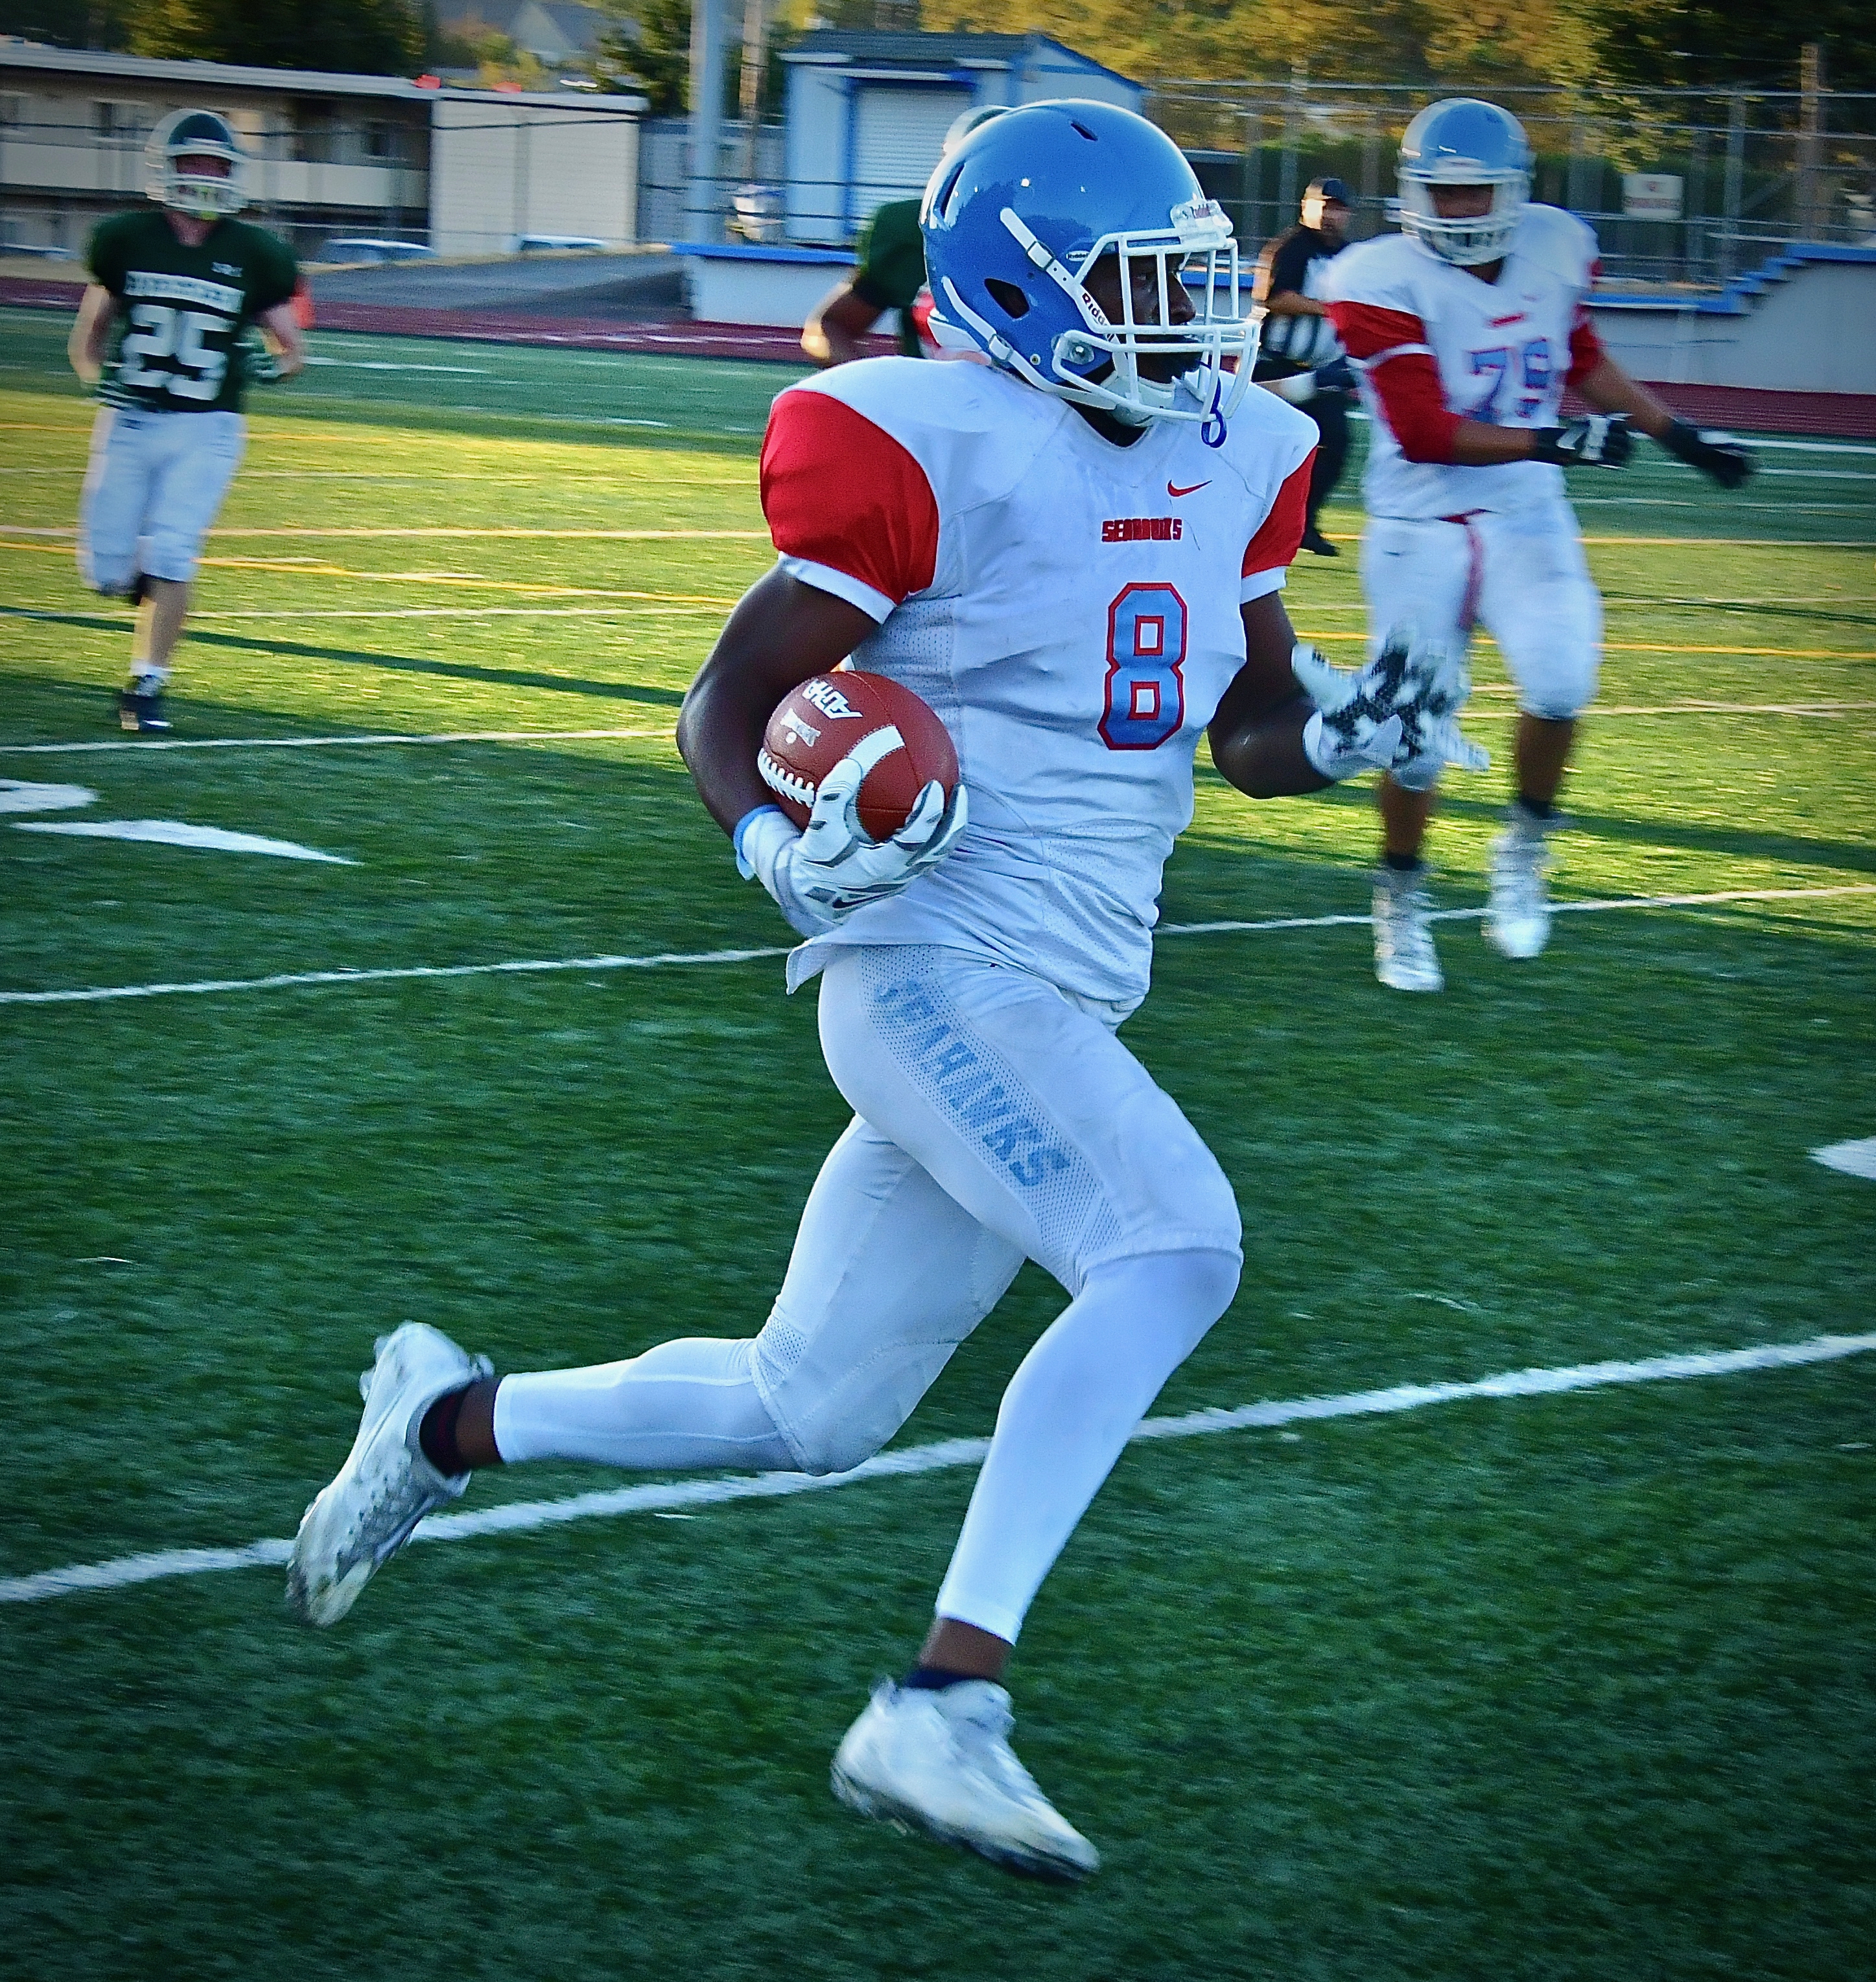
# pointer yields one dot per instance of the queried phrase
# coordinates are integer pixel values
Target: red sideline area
(1839, 415)
(1753, 409)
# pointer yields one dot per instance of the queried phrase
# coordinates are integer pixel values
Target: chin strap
(1213, 430)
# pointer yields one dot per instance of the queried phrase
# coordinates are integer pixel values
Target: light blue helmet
(1016, 216)
(1462, 141)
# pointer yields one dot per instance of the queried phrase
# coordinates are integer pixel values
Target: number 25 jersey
(1070, 609)
(1432, 344)
(182, 308)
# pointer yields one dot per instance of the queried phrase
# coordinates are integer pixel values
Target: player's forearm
(1475, 444)
(1257, 735)
(832, 335)
(84, 347)
(1291, 303)
(1263, 756)
(289, 340)
(1610, 389)
(780, 633)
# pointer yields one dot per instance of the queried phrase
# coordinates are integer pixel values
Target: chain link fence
(1724, 179)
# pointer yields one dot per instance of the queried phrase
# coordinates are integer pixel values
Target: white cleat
(1517, 914)
(386, 1485)
(1404, 957)
(941, 1760)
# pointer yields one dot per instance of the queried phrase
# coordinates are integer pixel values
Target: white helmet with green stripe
(194, 163)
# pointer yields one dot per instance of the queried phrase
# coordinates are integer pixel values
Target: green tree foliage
(1696, 43)
(1660, 44)
(66, 24)
(649, 55)
(369, 37)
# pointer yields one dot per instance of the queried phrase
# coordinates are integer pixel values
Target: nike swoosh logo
(1517, 316)
(1192, 491)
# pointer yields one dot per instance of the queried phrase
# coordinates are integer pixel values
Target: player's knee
(834, 1434)
(833, 1415)
(109, 577)
(1562, 688)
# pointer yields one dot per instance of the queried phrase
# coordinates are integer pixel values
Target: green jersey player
(166, 332)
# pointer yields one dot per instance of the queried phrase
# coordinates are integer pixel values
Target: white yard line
(669, 959)
(1815, 446)
(143, 744)
(1471, 915)
(1857, 1159)
(521, 1517)
(286, 980)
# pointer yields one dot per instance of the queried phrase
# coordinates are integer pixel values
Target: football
(827, 717)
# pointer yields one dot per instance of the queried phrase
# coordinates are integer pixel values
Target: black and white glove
(1717, 456)
(1591, 440)
(1399, 714)
(819, 877)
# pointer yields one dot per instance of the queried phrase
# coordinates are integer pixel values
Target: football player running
(1075, 553)
(1464, 329)
(164, 331)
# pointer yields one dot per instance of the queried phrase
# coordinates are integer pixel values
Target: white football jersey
(1070, 609)
(1499, 352)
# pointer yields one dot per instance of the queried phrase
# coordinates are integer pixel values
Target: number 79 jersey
(1069, 607)
(1430, 341)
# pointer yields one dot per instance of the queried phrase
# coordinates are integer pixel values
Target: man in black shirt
(1299, 358)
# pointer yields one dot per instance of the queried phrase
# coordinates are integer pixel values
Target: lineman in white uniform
(1076, 554)
(1464, 329)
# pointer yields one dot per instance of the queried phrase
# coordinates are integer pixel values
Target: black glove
(1591, 440)
(1717, 456)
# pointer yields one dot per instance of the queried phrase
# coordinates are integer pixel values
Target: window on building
(314, 130)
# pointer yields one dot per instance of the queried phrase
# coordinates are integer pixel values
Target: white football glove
(820, 876)
(1398, 714)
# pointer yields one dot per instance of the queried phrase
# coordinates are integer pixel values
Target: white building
(867, 111)
(463, 172)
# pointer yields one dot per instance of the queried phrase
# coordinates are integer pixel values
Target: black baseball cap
(1332, 191)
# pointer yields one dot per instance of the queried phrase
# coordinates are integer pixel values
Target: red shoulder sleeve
(839, 493)
(1367, 330)
(1279, 535)
(1391, 346)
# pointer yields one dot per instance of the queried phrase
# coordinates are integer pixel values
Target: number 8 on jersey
(1146, 657)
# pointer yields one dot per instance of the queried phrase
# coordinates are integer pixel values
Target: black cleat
(141, 712)
(1314, 540)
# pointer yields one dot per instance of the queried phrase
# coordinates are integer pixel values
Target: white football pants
(154, 483)
(995, 1121)
(1522, 576)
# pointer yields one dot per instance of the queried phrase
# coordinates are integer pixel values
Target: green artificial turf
(1568, 1686)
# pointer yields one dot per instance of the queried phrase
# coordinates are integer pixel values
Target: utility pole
(703, 207)
(1810, 141)
(755, 29)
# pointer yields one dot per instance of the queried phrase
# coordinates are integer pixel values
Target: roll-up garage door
(898, 133)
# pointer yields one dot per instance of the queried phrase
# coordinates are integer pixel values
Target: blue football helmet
(185, 135)
(1462, 141)
(1016, 219)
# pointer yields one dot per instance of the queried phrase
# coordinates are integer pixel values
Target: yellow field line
(1655, 647)
(301, 568)
(11, 532)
